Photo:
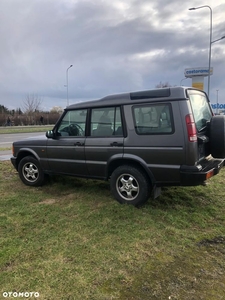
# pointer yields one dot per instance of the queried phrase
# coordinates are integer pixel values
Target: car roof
(160, 94)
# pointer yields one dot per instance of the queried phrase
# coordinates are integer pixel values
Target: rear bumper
(196, 175)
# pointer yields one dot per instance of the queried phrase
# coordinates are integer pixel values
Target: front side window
(201, 108)
(153, 119)
(73, 123)
(106, 121)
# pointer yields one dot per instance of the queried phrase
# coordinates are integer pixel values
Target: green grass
(71, 240)
(24, 129)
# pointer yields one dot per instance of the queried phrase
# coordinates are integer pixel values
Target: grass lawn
(71, 240)
(5, 148)
(24, 129)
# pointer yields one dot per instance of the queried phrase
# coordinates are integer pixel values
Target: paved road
(6, 141)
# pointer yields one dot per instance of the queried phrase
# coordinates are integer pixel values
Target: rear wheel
(130, 185)
(217, 136)
(30, 171)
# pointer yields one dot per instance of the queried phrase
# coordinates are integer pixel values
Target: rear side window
(201, 108)
(153, 119)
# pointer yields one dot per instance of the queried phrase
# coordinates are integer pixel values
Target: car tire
(217, 136)
(30, 171)
(130, 185)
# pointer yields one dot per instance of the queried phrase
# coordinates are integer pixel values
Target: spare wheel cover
(217, 136)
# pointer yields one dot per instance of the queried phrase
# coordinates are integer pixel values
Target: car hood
(40, 140)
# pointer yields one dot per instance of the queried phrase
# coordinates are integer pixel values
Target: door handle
(116, 144)
(79, 144)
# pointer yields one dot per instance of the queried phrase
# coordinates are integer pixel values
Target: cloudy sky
(114, 46)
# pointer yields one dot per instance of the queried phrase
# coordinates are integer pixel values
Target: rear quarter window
(153, 119)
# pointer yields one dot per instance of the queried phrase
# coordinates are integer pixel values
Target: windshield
(201, 108)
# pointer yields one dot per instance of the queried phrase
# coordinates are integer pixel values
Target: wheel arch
(131, 160)
(23, 153)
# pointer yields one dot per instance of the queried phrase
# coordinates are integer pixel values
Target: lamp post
(182, 80)
(217, 102)
(217, 91)
(210, 39)
(223, 37)
(67, 84)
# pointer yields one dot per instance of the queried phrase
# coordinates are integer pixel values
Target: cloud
(114, 47)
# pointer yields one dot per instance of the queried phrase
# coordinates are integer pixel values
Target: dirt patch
(47, 201)
(215, 241)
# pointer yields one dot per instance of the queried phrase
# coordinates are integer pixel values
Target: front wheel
(30, 171)
(129, 185)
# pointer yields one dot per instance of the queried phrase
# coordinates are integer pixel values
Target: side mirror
(50, 134)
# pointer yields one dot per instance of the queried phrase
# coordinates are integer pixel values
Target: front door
(65, 152)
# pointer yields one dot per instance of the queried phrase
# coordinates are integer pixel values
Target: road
(6, 141)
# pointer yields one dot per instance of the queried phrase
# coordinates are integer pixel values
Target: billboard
(191, 72)
(218, 106)
(198, 85)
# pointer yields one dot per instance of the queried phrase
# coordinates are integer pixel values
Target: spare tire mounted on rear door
(217, 136)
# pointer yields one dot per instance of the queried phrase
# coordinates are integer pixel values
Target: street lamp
(182, 80)
(223, 37)
(217, 102)
(210, 39)
(67, 84)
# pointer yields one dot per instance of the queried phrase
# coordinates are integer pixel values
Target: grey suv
(140, 141)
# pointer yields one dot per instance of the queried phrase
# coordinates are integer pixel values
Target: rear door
(105, 141)
(202, 114)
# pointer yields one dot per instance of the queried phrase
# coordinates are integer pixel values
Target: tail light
(191, 128)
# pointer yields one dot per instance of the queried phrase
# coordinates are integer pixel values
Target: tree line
(30, 114)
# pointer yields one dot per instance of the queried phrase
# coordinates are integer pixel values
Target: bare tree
(32, 103)
(162, 85)
(31, 107)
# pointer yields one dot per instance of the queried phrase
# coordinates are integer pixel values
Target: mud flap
(156, 192)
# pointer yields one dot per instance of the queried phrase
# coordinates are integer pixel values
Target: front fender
(40, 155)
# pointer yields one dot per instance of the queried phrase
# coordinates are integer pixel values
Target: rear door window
(106, 121)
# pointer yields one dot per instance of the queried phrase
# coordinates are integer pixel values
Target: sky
(114, 47)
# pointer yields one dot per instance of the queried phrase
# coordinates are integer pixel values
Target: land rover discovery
(139, 141)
